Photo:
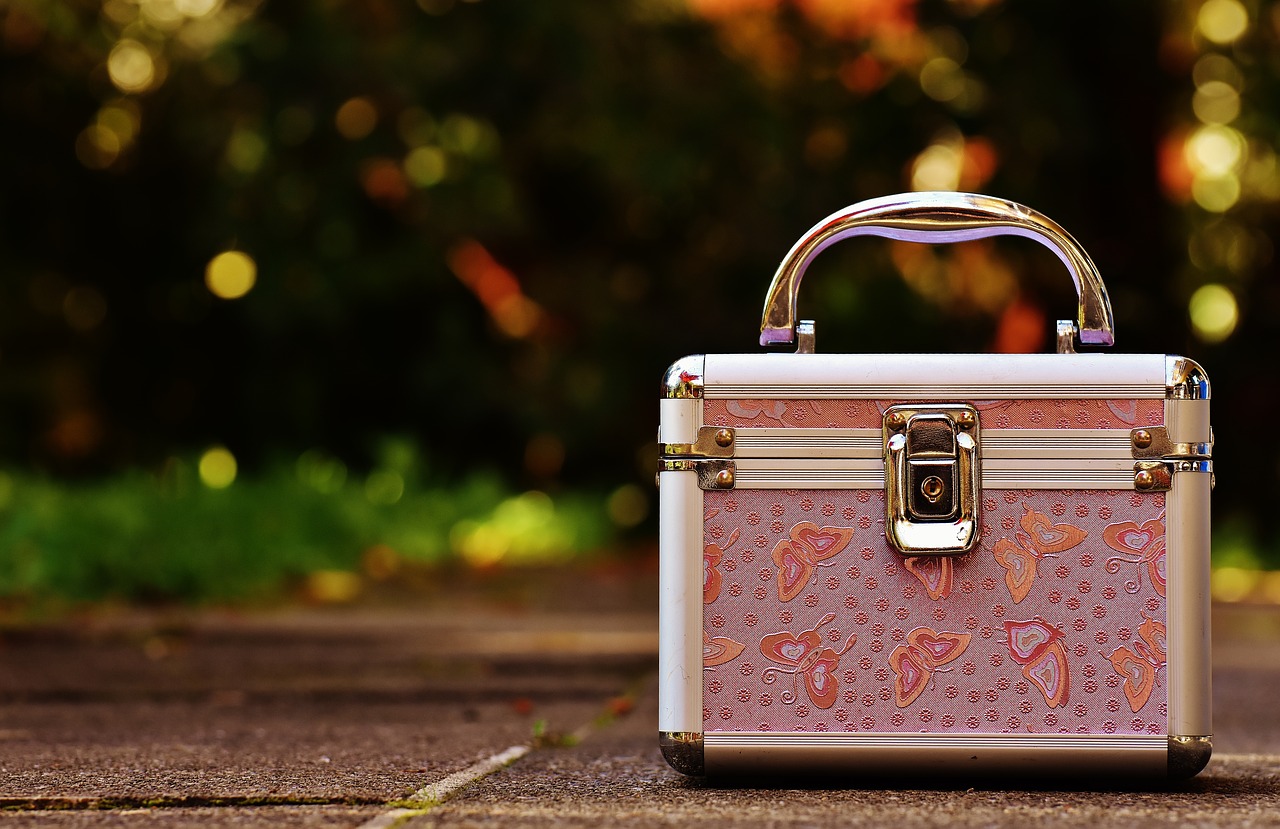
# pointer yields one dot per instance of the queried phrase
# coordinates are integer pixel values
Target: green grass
(169, 537)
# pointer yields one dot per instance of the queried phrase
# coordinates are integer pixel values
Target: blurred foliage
(490, 225)
(309, 526)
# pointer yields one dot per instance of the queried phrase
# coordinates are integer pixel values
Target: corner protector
(1184, 379)
(683, 379)
(683, 751)
(1188, 756)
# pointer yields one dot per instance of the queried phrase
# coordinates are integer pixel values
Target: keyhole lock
(932, 478)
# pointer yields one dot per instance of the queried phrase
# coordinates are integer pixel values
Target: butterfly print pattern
(936, 573)
(1037, 540)
(914, 663)
(1036, 645)
(1141, 546)
(1044, 637)
(998, 414)
(1141, 665)
(712, 578)
(807, 659)
(807, 548)
(719, 650)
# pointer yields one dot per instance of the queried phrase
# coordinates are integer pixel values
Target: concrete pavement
(401, 710)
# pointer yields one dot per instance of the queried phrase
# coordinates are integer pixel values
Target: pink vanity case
(911, 564)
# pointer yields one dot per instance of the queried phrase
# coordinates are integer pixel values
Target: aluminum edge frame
(1188, 546)
(680, 576)
(881, 754)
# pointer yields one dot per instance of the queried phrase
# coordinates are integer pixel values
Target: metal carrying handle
(933, 218)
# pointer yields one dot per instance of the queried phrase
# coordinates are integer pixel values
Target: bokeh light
(1214, 312)
(197, 8)
(1214, 153)
(356, 118)
(384, 486)
(942, 79)
(525, 527)
(246, 151)
(628, 505)
(231, 274)
(1216, 67)
(1215, 150)
(425, 166)
(1222, 21)
(1216, 194)
(217, 468)
(84, 308)
(321, 471)
(497, 288)
(131, 66)
(938, 167)
(1216, 102)
(97, 147)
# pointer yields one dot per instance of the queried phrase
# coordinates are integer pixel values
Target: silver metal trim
(868, 473)
(683, 751)
(1040, 477)
(712, 442)
(1153, 476)
(806, 332)
(1185, 379)
(680, 527)
(1066, 336)
(1090, 754)
(937, 217)
(1188, 631)
(715, 474)
(771, 442)
(1188, 756)
(878, 739)
(1159, 445)
(683, 379)
(929, 391)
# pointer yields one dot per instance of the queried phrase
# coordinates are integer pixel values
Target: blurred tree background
(420, 266)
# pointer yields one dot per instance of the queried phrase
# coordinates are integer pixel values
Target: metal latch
(932, 478)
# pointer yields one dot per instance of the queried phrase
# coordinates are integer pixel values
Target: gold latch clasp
(932, 478)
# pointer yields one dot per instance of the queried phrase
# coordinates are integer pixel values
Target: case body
(1072, 637)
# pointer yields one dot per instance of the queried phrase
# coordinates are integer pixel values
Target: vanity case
(907, 563)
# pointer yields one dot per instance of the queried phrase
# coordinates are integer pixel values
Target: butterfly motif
(749, 410)
(1036, 645)
(805, 657)
(1141, 666)
(1138, 545)
(711, 577)
(807, 549)
(936, 573)
(1038, 539)
(1126, 410)
(719, 650)
(926, 651)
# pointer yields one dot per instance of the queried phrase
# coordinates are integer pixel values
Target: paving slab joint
(430, 796)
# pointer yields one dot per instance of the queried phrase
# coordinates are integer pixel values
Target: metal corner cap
(1184, 379)
(683, 751)
(684, 378)
(1188, 756)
